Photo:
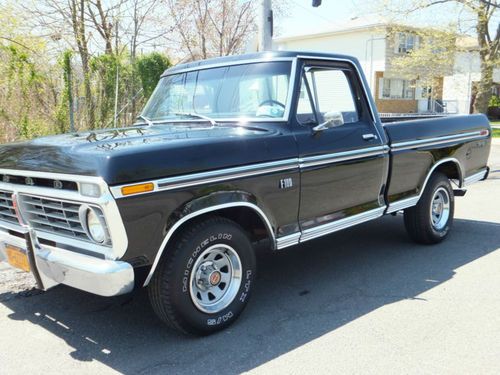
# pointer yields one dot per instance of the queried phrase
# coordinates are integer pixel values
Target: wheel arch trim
(412, 201)
(203, 211)
(461, 172)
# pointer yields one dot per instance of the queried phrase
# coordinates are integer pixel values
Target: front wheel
(430, 221)
(204, 280)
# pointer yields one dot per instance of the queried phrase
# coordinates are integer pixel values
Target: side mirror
(332, 120)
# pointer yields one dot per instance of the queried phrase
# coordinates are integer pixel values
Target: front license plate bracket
(17, 257)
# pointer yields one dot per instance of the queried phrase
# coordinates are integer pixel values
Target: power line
(311, 12)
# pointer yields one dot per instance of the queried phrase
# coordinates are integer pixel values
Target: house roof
(354, 24)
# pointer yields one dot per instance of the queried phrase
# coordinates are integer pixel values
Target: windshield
(248, 91)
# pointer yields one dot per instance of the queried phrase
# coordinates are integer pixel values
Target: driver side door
(343, 162)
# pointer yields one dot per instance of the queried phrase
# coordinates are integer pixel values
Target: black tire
(418, 219)
(170, 288)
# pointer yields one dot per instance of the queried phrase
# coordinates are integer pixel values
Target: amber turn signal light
(137, 189)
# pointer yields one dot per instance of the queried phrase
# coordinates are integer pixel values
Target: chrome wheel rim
(215, 278)
(440, 208)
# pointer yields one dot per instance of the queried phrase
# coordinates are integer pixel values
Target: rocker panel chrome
(402, 204)
(475, 178)
(286, 241)
(337, 225)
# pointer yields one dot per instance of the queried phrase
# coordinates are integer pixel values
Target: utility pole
(265, 26)
(115, 117)
(70, 93)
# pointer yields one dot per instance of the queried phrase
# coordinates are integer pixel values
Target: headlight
(96, 229)
(93, 224)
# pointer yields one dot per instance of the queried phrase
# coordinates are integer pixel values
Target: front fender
(212, 202)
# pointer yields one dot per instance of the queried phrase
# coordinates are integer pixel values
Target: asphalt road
(366, 300)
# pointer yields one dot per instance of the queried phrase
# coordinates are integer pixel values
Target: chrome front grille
(7, 212)
(53, 216)
(50, 215)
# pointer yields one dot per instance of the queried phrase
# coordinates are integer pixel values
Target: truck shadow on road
(301, 294)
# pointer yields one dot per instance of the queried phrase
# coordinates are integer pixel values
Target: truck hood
(141, 153)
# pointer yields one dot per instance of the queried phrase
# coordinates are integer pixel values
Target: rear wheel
(204, 280)
(430, 221)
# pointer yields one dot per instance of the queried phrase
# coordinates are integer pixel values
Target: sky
(302, 18)
(302, 15)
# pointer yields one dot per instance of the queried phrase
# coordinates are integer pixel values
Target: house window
(405, 42)
(395, 89)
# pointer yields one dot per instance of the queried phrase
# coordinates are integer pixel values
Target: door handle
(368, 137)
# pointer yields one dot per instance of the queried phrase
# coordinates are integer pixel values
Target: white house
(371, 44)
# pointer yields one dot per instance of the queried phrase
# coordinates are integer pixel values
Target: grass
(496, 133)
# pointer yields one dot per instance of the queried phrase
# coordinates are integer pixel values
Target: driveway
(366, 300)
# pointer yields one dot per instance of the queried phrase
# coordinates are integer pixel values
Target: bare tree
(77, 16)
(102, 20)
(66, 21)
(207, 28)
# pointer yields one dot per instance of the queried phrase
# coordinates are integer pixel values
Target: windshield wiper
(209, 119)
(148, 121)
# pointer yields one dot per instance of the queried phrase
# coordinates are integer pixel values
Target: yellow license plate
(17, 258)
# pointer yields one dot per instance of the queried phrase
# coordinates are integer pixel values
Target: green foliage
(431, 58)
(149, 68)
(62, 112)
(23, 83)
(494, 101)
(21, 72)
(36, 94)
(104, 69)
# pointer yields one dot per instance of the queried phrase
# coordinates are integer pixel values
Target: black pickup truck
(273, 148)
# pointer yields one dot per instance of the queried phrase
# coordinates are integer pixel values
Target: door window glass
(305, 111)
(332, 96)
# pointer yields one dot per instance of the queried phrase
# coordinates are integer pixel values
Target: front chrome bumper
(52, 266)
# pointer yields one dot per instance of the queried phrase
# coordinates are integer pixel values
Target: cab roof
(264, 56)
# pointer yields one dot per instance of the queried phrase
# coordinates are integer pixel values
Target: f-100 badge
(286, 183)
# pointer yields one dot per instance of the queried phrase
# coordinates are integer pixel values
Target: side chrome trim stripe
(475, 178)
(312, 161)
(412, 201)
(192, 215)
(193, 179)
(437, 140)
(227, 174)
